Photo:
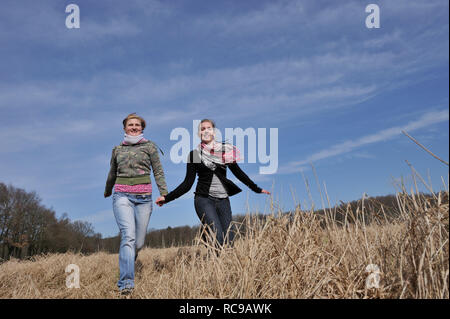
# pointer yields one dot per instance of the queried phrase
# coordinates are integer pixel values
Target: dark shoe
(126, 291)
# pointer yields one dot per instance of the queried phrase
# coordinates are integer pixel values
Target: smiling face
(206, 132)
(133, 127)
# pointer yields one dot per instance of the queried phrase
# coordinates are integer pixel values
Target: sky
(338, 94)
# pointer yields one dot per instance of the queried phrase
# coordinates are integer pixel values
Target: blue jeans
(132, 214)
(215, 212)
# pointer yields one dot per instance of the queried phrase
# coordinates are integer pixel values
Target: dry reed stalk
(296, 255)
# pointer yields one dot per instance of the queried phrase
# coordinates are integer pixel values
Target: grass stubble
(297, 255)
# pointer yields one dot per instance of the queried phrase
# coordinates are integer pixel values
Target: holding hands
(160, 201)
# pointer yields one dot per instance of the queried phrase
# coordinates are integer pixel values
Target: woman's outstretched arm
(184, 187)
(239, 173)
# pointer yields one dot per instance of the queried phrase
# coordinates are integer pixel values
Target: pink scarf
(218, 154)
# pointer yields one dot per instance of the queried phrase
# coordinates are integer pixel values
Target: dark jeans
(215, 212)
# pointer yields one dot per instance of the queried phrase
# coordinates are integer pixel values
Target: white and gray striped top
(216, 189)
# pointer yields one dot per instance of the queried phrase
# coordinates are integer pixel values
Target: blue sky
(338, 92)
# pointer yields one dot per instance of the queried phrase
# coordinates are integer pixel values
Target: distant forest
(27, 228)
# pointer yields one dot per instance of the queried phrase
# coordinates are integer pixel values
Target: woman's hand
(160, 201)
(265, 192)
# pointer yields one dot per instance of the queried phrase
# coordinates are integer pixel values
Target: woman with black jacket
(210, 161)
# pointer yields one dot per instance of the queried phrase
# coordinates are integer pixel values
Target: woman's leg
(143, 211)
(207, 212)
(225, 217)
(124, 212)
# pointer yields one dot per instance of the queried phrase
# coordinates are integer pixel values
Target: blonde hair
(207, 120)
(134, 116)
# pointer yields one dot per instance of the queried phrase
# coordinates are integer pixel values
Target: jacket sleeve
(186, 185)
(239, 173)
(111, 180)
(158, 171)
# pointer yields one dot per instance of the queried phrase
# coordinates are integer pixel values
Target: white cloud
(426, 120)
(44, 22)
(21, 136)
(270, 17)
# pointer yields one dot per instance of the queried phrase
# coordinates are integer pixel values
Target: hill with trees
(28, 228)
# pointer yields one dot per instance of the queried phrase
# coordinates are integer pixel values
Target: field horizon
(362, 254)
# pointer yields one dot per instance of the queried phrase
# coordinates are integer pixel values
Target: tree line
(28, 228)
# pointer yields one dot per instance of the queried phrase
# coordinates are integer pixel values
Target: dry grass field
(297, 255)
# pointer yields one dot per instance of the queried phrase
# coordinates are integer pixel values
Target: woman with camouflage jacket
(129, 175)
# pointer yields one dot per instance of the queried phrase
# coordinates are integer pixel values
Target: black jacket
(195, 167)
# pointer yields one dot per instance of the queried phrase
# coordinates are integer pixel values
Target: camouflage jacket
(132, 164)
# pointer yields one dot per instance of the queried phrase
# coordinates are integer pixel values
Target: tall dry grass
(296, 255)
